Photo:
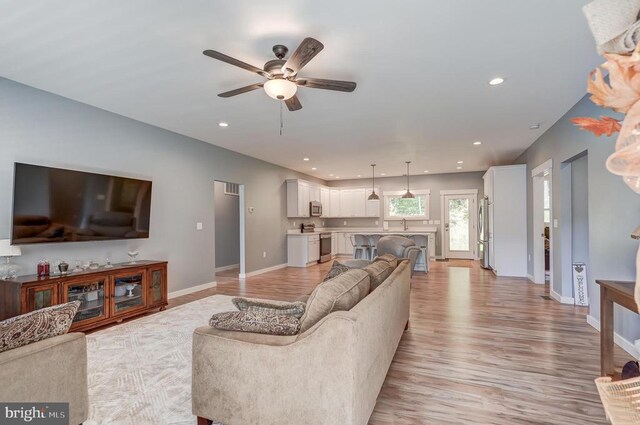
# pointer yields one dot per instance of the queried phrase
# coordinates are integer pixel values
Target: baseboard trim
(623, 343)
(560, 298)
(229, 267)
(261, 271)
(531, 278)
(191, 290)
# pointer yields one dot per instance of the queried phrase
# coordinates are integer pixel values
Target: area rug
(140, 371)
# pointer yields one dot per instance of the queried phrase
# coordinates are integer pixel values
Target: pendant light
(374, 196)
(408, 195)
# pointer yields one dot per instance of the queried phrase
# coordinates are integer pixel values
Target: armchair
(399, 246)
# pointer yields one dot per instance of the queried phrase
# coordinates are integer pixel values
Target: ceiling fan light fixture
(280, 89)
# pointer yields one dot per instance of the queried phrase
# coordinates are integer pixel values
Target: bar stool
(373, 241)
(422, 242)
(361, 246)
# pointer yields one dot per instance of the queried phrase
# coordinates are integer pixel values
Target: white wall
(42, 128)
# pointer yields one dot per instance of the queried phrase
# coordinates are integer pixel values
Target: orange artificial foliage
(605, 125)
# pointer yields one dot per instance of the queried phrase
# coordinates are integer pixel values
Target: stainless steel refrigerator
(483, 232)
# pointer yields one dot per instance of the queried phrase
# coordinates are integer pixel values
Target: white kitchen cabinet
(314, 193)
(334, 243)
(325, 200)
(345, 203)
(345, 247)
(297, 198)
(372, 208)
(358, 203)
(506, 188)
(303, 250)
(334, 203)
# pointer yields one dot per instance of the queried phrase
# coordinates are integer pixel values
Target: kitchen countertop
(365, 230)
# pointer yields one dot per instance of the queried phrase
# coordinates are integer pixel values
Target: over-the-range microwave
(315, 209)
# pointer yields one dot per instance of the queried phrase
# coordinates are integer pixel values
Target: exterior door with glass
(460, 226)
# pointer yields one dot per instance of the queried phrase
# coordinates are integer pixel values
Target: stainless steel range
(325, 247)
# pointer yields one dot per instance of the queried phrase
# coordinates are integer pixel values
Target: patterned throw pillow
(337, 268)
(295, 309)
(256, 322)
(37, 325)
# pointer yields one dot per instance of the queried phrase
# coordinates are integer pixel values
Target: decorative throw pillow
(37, 325)
(337, 268)
(389, 258)
(295, 309)
(378, 272)
(256, 322)
(338, 294)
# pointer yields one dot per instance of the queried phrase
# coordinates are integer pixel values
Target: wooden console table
(106, 295)
(611, 292)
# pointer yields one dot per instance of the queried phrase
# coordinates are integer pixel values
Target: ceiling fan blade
(293, 103)
(233, 61)
(303, 54)
(241, 90)
(318, 83)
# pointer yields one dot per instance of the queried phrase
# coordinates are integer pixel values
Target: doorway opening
(575, 227)
(543, 224)
(229, 230)
(459, 217)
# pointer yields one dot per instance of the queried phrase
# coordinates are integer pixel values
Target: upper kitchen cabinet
(298, 198)
(336, 202)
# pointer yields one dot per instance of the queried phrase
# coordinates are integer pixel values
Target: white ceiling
(422, 68)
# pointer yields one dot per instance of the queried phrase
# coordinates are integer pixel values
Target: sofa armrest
(52, 370)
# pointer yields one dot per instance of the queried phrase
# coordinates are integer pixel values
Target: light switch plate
(436, 221)
(198, 226)
(377, 222)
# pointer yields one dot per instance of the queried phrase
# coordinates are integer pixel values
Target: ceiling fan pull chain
(281, 123)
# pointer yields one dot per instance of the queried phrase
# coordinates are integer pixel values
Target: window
(397, 208)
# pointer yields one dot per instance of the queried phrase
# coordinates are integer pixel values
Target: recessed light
(458, 168)
(305, 159)
(496, 81)
(359, 175)
(382, 174)
(337, 177)
(330, 175)
(460, 162)
(223, 124)
(534, 127)
(425, 171)
(314, 168)
(477, 143)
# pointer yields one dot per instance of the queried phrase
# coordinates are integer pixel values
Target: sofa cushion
(338, 294)
(295, 309)
(356, 263)
(337, 268)
(303, 299)
(378, 272)
(37, 325)
(255, 321)
(389, 258)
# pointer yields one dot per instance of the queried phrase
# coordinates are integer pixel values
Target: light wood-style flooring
(479, 349)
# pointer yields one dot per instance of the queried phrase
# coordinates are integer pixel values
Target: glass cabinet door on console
(157, 283)
(92, 294)
(40, 296)
(129, 292)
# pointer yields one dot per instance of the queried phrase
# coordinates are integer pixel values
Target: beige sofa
(330, 374)
(52, 370)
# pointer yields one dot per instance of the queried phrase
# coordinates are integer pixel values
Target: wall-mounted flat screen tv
(57, 205)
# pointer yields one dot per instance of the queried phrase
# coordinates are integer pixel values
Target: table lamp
(8, 270)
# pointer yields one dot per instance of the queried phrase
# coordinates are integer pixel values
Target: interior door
(460, 226)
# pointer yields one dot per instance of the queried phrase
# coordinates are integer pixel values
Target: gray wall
(227, 227)
(434, 182)
(42, 128)
(580, 209)
(613, 210)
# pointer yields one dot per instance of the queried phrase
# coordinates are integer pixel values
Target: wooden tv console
(107, 295)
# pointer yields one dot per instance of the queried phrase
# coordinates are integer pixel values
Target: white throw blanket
(615, 24)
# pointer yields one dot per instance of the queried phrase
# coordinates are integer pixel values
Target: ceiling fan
(282, 75)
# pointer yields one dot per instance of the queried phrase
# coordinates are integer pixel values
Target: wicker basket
(621, 400)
